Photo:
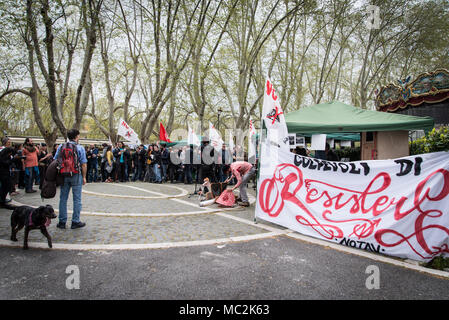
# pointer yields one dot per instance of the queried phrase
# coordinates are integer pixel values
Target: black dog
(31, 218)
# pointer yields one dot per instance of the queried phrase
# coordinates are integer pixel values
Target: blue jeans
(157, 173)
(29, 177)
(76, 183)
(164, 168)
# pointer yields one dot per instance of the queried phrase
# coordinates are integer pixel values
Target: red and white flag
(163, 136)
(128, 133)
(273, 116)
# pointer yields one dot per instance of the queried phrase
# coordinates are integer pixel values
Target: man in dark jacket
(134, 161)
(207, 162)
(142, 162)
(165, 158)
(7, 156)
(225, 158)
(157, 164)
(92, 163)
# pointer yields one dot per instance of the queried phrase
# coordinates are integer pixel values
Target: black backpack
(52, 179)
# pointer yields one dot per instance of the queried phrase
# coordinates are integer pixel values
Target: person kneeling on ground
(243, 171)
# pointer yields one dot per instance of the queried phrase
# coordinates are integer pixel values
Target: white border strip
(159, 195)
(157, 214)
(143, 215)
(63, 246)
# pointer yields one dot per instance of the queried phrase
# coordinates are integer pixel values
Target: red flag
(163, 134)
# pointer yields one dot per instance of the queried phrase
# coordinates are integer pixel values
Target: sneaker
(31, 191)
(60, 225)
(76, 225)
(244, 204)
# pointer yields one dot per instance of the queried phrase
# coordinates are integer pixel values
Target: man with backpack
(73, 167)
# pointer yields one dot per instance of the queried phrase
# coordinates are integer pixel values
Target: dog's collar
(30, 220)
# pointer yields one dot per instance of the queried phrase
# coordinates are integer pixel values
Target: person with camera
(7, 157)
(44, 158)
(92, 163)
(157, 160)
(31, 152)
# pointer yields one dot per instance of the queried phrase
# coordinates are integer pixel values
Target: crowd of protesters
(23, 166)
(158, 163)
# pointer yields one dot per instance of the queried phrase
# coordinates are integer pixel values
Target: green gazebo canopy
(335, 117)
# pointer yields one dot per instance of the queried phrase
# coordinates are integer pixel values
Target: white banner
(397, 207)
(127, 132)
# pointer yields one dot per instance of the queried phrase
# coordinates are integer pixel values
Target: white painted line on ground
(159, 195)
(202, 210)
(145, 215)
(137, 246)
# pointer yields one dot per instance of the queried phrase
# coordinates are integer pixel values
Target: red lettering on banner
(125, 124)
(267, 187)
(270, 90)
(287, 180)
(357, 197)
(419, 228)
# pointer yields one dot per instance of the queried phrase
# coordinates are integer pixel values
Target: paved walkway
(138, 215)
(132, 215)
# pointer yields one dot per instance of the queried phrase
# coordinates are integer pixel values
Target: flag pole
(259, 152)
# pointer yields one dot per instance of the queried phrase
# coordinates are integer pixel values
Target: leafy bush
(439, 263)
(434, 141)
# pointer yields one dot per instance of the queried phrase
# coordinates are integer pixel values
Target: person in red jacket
(31, 152)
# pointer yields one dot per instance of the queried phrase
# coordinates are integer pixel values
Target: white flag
(214, 137)
(251, 140)
(231, 142)
(273, 116)
(193, 138)
(127, 132)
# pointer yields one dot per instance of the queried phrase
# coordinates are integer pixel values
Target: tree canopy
(88, 63)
